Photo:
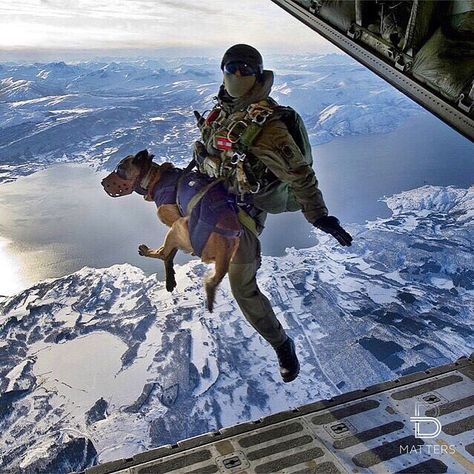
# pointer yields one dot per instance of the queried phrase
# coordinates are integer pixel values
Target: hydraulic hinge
(466, 100)
(353, 32)
(315, 6)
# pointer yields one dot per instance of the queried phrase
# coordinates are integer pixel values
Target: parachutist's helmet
(244, 58)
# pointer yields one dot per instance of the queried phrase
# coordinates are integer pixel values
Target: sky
(114, 25)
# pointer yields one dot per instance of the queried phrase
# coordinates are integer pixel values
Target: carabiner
(236, 157)
(255, 191)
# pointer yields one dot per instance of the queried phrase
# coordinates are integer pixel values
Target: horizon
(126, 55)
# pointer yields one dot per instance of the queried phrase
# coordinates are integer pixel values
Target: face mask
(238, 86)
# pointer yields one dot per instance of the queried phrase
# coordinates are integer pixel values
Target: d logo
(417, 419)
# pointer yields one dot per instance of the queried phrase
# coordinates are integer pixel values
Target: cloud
(191, 6)
(151, 23)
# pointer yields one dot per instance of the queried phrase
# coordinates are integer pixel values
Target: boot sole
(292, 377)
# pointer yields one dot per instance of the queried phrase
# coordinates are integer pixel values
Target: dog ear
(142, 156)
(166, 166)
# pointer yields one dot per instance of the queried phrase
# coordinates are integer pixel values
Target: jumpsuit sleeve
(277, 150)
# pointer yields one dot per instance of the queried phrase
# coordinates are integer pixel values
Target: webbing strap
(199, 195)
(247, 221)
(249, 135)
(190, 166)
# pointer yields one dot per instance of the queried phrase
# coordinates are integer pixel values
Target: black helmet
(246, 54)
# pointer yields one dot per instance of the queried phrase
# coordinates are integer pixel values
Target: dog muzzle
(116, 186)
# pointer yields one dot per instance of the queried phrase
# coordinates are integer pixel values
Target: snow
(202, 345)
(381, 295)
(14, 375)
(427, 198)
(40, 450)
(83, 370)
(443, 283)
(137, 102)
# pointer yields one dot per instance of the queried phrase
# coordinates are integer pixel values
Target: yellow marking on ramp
(469, 465)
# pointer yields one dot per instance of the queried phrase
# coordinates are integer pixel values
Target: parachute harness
(240, 135)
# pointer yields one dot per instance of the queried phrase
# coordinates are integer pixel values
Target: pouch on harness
(277, 196)
(273, 196)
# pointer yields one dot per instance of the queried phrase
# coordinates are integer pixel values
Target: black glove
(330, 225)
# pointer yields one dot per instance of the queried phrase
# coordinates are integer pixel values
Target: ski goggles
(244, 68)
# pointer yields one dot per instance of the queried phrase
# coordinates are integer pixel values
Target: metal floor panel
(366, 431)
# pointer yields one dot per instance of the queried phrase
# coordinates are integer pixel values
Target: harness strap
(247, 221)
(199, 195)
(254, 121)
(150, 180)
(190, 166)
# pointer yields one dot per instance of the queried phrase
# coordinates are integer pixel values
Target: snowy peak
(335, 96)
(455, 201)
(21, 89)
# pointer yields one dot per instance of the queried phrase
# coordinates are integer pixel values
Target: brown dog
(140, 174)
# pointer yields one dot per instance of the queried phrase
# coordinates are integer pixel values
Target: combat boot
(289, 364)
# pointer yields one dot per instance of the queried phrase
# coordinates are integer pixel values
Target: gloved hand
(209, 164)
(330, 225)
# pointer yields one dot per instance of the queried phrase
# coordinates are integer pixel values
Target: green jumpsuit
(275, 153)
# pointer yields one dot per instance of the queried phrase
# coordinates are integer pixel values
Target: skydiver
(262, 152)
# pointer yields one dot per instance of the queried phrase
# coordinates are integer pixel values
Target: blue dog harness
(177, 187)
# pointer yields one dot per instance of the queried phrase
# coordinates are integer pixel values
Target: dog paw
(143, 250)
(170, 285)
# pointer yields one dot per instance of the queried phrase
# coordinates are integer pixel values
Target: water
(59, 220)
(355, 172)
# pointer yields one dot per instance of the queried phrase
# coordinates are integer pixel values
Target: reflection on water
(60, 219)
(10, 279)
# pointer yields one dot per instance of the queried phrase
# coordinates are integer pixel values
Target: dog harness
(200, 197)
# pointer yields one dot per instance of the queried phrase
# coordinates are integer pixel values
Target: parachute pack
(277, 196)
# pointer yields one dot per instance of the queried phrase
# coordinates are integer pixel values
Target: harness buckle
(231, 129)
(236, 157)
(259, 113)
(261, 118)
(256, 189)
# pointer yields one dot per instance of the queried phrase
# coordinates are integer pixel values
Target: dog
(138, 173)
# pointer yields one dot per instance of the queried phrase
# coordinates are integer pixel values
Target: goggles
(244, 68)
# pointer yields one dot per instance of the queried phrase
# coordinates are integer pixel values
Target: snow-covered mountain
(97, 113)
(104, 363)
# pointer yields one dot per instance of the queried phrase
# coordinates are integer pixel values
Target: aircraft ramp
(365, 431)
